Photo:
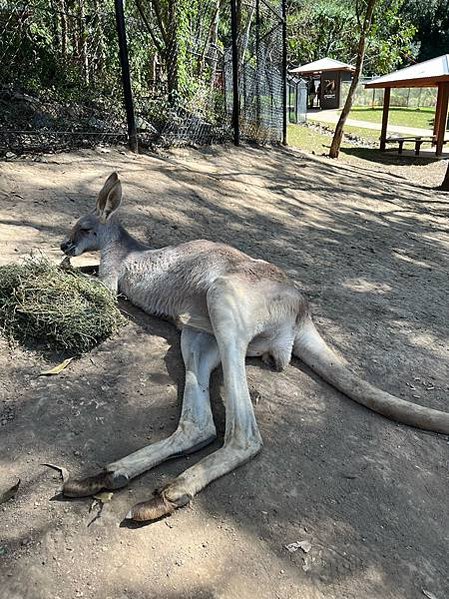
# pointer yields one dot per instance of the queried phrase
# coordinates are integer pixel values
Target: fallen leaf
(104, 497)
(57, 369)
(9, 493)
(3, 551)
(429, 594)
(62, 471)
(306, 546)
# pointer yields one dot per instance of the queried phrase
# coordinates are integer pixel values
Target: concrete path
(331, 117)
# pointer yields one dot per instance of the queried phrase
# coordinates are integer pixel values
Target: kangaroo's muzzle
(68, 248)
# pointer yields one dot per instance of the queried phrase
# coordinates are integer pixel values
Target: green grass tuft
(43, 305)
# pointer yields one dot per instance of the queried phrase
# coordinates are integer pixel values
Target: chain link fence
(261, 71)
(61, 78)
(297, 100)
(411, 97)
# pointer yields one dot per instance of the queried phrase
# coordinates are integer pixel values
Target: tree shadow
(371, 252)
(391, 157)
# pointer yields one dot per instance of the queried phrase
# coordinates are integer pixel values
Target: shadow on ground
(371, 252)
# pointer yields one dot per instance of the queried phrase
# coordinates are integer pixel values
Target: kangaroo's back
(170, 280)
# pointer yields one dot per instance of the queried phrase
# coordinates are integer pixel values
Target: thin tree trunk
(213, 45)
(55, 26)
(160, 21)
(172, 50)
(245, 36)
(156, 42)
(210, 38)
(338, 134)
(82, 37)
(64, 39)
(98, 39)
(445, 184)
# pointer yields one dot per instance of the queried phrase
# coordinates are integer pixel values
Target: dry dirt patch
(371, 252)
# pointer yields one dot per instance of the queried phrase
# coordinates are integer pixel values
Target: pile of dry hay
(44, 305)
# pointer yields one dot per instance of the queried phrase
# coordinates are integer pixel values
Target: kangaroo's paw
(155, 508)
(83, 487)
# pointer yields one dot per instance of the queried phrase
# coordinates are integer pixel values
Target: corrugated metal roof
(423, 74)
(324, 64)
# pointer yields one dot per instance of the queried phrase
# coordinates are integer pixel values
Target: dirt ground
(371, 252)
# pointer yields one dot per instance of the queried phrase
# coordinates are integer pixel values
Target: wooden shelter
(331, 73)
(431, 73)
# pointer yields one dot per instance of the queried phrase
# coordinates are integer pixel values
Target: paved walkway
(331, 116)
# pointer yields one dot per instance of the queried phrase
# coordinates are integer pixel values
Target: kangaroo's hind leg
(195, 429)
(232, 306)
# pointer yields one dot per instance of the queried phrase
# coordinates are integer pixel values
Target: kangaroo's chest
(160, 288)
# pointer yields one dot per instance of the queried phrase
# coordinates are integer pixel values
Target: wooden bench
(417, 140)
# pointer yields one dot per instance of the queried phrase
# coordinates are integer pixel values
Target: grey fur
(231, 306)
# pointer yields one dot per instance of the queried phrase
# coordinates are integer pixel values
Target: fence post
(284, 72)
(257, 63)
(126, 78)
(235, 75)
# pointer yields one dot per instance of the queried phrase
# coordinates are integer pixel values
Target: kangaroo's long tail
(311, 348)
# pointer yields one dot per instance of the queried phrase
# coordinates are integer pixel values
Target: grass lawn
(311, 140)
(307, 139)
(410, 117)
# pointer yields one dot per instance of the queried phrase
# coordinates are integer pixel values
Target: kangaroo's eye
(86, 229)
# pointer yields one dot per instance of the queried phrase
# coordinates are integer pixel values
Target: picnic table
(418, 140)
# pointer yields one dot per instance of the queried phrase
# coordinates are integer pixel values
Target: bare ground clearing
(371, 251)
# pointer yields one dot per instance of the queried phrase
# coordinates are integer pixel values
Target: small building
(326, 75)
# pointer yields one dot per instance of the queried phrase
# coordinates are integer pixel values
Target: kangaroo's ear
(105, 190)
(112, 202)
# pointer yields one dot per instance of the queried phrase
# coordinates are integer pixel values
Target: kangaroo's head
(93, 231)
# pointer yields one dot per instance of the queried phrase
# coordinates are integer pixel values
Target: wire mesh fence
(59, 74)
(418, 97)
(61, 78)
(297, 100)
(262, 85)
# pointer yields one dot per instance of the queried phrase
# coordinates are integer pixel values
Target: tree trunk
(64, 37)
(82, 37)
(211, 37)
(172, 51)
(97, 41)
(364, 31)
(445, 184)
(213, 45)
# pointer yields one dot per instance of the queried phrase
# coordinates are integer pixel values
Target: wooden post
(235, 75)
(126, 78)
(442, 118)
(284, 72)
(437, 114)
(383, 132)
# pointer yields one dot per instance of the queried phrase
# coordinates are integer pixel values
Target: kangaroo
(230, 306)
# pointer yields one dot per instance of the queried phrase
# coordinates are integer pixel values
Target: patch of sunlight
(411, 260)
(422, 339)
(364, 286)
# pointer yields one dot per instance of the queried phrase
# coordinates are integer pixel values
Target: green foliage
(320, 28)
(58, 52)
(67, 50)
(431, 19)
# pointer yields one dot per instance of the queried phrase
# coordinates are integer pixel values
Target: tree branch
(156, 42)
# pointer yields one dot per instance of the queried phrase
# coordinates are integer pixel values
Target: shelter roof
(324, 64)
(424, 74)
